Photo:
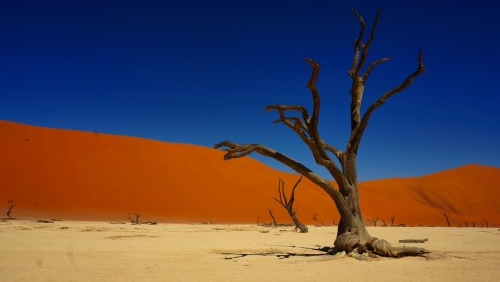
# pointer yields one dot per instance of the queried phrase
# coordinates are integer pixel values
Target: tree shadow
(324, 251)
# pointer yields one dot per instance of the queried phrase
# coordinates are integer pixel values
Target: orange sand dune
(468, 194)
(54, 173)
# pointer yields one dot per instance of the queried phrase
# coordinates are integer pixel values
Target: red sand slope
(468, 193)
(53, 173)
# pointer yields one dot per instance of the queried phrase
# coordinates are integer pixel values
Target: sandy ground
(101, 251)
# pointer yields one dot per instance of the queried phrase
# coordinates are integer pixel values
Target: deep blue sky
(201, 72)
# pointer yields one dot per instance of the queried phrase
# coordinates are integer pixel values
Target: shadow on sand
(320, 251)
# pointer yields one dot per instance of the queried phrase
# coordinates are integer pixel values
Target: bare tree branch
(301, 109)
(237, 151)
(313, 125)
(359, 130)
(358, 82)
(371, 66)
(359, 41)
(307, 129)
(332, 149)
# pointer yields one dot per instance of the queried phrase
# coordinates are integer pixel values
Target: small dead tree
(374, 221)
(265, 224)
(473, 224)
(447, 219)
(487, 223)
(288, 204)
(314, 218)
(352, 235)
(383, 223)
(334, 222)
(274, 219)
(392, 220)
(10, 206)
(466, 224)
(136, 221)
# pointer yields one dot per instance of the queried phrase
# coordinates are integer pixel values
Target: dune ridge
(69, 174)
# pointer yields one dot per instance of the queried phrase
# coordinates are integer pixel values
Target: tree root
(358, 256)
(383, 248)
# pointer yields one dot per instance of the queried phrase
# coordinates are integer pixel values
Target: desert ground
(102, 251)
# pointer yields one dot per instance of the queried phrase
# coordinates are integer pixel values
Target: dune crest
(68, 174)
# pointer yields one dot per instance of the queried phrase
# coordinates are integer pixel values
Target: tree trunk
(352, 233)
(353, 236)
(298, 225)
(9, 211)
(274, 219)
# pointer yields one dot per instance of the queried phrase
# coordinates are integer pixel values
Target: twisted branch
(307, 127)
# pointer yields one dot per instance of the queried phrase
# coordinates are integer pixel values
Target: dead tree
(374, 221)
(487, 223)
(136, 221)
(288, 204)
(392, 220)
(274, 219)
(265, 224)
(352, 234)
(10, 206)
(447, 219)
(314, 217)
